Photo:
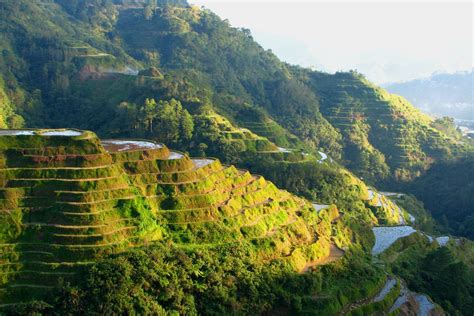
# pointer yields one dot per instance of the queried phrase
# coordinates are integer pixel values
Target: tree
(126, 118)
(186, 124)
(202, 147)
(167, 120)
(448, 126)
(149, 113)
(447, 280)
(148, 12)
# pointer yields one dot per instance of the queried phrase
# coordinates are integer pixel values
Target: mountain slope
(115, 226)
(128, 226)
(64, 208)
(384, 135)
(448, 191)
(92, 60)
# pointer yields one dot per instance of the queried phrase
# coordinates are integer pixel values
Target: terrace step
(93, 201)
(73, 227)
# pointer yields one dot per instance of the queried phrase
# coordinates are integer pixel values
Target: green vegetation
(168, 120)
(101, 227)
(437, 271)
(8, 118)
(448, 191)
(374, 306)
(423, 218)
(326, 183)
(196, 235)
(384, 136)
(174, 55)
(217, 136)
(447, 126)
(177, 53)
(71, 204)
(163, 279)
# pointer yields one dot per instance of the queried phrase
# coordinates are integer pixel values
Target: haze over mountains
(316, 34)
(441, 94)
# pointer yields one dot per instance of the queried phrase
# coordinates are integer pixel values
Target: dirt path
(335, 253)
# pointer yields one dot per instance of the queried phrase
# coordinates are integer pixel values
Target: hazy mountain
(442, 94)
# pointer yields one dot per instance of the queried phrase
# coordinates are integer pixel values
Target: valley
(154, 159)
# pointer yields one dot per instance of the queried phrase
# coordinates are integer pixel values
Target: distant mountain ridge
(442, 94)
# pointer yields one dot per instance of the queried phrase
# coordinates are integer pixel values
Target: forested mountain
(58, 63)
(441, 94)
(177, 74)
(94, 64)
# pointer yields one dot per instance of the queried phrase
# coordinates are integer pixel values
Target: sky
(385, 40)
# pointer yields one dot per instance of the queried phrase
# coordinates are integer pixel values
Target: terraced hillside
(64, 202)
(68, 199)
(215, 129)
(384, 135)
(76, 58)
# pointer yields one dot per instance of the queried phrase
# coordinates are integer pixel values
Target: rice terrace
(166, 157)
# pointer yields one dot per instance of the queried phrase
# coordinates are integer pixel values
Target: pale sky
(385, 40)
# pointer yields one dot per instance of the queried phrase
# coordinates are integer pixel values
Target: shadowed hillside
(384, 135)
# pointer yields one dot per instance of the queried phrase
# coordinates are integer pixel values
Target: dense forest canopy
(448, 190)
(200, 60)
